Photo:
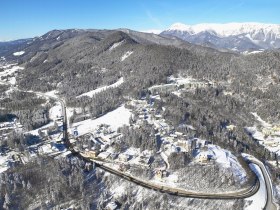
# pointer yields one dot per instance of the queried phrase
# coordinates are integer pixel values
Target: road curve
(269, 205)
(245, 193)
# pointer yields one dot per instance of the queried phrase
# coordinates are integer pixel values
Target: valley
(171, 117)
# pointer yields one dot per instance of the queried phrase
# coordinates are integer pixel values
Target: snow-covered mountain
(233, 36)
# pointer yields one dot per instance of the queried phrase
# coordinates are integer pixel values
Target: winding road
(245, 193)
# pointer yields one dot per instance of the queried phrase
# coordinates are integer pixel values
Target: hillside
(148, 93)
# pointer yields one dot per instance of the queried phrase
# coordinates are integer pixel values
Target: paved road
(270, 205)
(244, 193)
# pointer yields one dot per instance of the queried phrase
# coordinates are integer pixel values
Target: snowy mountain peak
(233, 36)
(228, 29)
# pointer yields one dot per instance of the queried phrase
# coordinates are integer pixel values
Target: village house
(124, 157)
(91, 153)
(203, 157)
(160, 173)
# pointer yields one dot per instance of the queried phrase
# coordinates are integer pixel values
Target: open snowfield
(115, 119)
(55, 111)
(98, 90)
(18, 53)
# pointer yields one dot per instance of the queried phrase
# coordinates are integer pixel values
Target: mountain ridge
(233, 36)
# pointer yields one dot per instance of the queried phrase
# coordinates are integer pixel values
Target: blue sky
(29, 18)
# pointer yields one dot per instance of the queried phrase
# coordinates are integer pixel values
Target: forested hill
(78, 61)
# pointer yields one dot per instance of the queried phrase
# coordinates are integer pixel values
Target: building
(160, 173)
(271, 143)
(111, 206)
(124, 157)
(204, 157)
(145, 159)
(231, 127)
(167, 88)
(123, 167)
(91, 154)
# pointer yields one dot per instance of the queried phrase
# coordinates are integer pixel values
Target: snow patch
(18, 53)
(126, 55)
(116, 45)
(258, 118)
(98, 90)
(55, 112)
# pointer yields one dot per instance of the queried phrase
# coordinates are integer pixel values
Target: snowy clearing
(98, 90)
(55, 112)
(115, 45)
(126, 55)
(226, 159)
(18, 53)
(115, 119)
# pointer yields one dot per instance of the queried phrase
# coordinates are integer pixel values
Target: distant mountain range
(231, 36)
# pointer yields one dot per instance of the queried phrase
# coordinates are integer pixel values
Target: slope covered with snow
(230, 29)
(93, 92)
(234, 36)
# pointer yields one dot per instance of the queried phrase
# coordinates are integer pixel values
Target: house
(113, 156)
(184, 144)
(123, 167)
(103, 155)
(91, 154)
(111, 206)
(145, 159)
(160, 173)
(271, 143)
(204, 157)
(124, 157)
(230, 127)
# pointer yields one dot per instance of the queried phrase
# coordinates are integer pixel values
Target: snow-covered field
(115, 119)
(98, 90)
(55, 111)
